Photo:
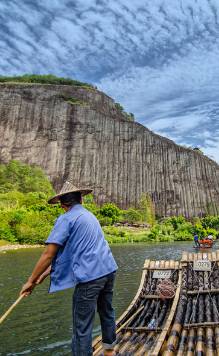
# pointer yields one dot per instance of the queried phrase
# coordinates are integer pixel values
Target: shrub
(110, 210)
(89, 204)
(105, 220)
(175, 221)
(114, 231)
(11, 199)
(132, 216)
(210, 231)
(34, 228)
(210, 221)
(129, 116)
(6, 233)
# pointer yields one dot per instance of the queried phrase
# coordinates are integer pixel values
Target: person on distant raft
(210, 237)
(77, 255)
(197, 244)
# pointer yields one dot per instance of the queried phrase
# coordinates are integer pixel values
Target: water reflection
(41, 324)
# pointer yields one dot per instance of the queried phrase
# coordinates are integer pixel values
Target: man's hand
(41, 270)
(27, 288)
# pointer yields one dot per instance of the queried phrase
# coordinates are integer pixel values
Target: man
(77, 255)
(197, 244)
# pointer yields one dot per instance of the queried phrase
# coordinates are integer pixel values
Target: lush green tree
(146, 208)
(110, 210)
(211, 222)
(175, 221)
(132, 215)
(23, 178)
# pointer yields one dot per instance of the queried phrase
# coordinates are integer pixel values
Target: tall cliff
(78, 133)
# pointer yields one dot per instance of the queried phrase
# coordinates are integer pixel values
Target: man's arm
(44, 275)
(41, 266)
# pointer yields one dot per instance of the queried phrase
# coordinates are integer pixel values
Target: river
(41, 323)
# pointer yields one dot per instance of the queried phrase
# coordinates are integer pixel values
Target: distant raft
(143, 327)
(205, 243)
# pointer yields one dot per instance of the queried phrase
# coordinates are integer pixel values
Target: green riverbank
(27, 219)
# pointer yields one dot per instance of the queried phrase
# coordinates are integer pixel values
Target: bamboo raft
(195, 329)
(143, 327)
(187, 324)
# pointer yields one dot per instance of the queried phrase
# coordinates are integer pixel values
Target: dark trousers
(88, 296)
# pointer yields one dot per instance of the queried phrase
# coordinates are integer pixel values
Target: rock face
(79, 134)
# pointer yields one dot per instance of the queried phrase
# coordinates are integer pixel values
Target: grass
(125, 234)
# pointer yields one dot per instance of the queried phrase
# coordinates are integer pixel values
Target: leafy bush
(132, 216)
(34, 228)
(105, 220)
(175, 221)
(210, 221)
(114, 231)
(6, 233)
(210, 231)
(110, 210)
(172, 229)
(89, 204)
(129, 116)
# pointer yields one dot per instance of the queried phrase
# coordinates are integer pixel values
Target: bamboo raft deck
(187, 324)
(143, 327)
(195, 330)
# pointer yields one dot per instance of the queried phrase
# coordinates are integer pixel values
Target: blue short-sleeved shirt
(84, 254)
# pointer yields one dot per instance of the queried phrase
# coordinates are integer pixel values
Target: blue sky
(158, 58)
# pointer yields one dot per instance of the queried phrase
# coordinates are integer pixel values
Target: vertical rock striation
(77, 133)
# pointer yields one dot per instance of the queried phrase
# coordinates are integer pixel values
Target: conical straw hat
(68, 187)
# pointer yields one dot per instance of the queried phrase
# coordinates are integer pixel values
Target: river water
(41, 324)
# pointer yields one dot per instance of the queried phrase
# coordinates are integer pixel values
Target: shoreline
(17, 247)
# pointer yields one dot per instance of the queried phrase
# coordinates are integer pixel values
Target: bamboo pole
(4, 316)
(183, 341)
(204, 291)
(127, 344)
(173, 340)
(216, 335)
(169, 320)
(209, 342)
(191, 343)
(200, 345)
(200, 325)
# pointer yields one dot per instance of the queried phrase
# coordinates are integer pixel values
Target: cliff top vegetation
(44, 79)
(52, 79)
